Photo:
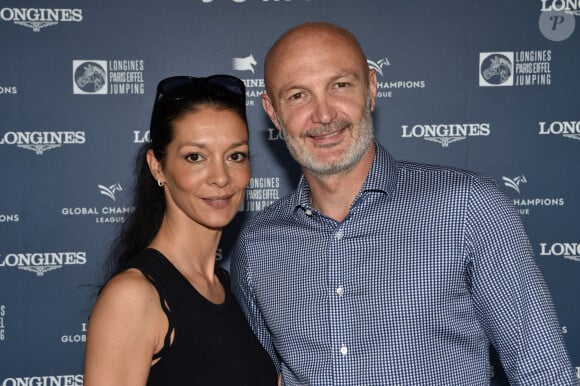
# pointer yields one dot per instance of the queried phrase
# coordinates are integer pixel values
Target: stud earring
(160, 183)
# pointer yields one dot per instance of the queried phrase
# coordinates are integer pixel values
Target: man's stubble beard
(351, 156)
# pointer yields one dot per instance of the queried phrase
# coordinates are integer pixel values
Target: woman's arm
(126, 327)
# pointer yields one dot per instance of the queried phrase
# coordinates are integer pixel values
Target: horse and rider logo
(90, 77)
(496, 69)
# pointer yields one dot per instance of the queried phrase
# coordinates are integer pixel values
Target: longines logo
(569, 6)
(141, 136)
(37, 18)
(261, 192)
(42, 262)
(275, 134)
(40, 141)
(446, 133)
(45, 380)
(525, 204)
(567, 129)
(105, 214)
(386, 88)
(570, 251)
(255, 87)
(112, 77)
(520, 68)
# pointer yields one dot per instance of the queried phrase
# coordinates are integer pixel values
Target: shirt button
(308, 212)
(339, 234)
(343, 350)
(340, 291)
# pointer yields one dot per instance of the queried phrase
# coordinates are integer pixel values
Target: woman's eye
(193, 157)
(238, 156)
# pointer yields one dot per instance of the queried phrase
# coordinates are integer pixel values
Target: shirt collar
(382, 177)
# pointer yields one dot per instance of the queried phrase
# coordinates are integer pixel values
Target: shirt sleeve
(512, 300)
(242, 289)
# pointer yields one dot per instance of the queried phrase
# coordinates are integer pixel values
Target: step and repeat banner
(491, 86)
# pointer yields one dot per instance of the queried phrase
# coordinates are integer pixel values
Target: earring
(160, 183)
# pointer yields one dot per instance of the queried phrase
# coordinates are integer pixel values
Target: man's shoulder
(435, 170)
(445, 177)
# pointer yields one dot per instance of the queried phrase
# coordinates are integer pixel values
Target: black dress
(213, 344)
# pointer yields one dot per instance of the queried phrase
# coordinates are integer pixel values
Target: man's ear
(372, 88)
(269, 109)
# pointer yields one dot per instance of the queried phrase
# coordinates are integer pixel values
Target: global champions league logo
(515, 182)
(570, 251)
(105, 214)
(525, 204)
(109, 191)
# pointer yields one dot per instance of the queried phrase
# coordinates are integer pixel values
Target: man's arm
(511, 297)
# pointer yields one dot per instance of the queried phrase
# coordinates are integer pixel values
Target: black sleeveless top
(213, 344)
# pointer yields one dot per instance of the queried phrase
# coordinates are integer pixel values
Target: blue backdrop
(490, 86)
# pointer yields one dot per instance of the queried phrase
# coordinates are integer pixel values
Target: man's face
(358, 139)
(319, 97)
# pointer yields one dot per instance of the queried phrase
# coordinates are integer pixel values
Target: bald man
(381, 272)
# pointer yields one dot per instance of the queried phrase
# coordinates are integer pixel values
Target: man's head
(320, 94)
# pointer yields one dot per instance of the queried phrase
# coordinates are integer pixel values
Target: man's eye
(296, 96)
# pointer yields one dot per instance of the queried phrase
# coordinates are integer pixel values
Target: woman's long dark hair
(143, 223)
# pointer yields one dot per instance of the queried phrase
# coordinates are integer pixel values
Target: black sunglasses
(181, 87)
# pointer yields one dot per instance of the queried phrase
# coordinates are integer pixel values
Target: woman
(167, 316)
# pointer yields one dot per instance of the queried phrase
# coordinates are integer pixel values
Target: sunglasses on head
(181, 87)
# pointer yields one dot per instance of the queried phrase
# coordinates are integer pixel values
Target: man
(380, 272)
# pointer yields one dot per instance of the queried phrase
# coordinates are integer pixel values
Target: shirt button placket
(339, 316)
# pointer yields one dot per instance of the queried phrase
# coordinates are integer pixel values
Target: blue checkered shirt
(430, 267)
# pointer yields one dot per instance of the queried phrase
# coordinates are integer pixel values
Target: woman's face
(206, 169)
